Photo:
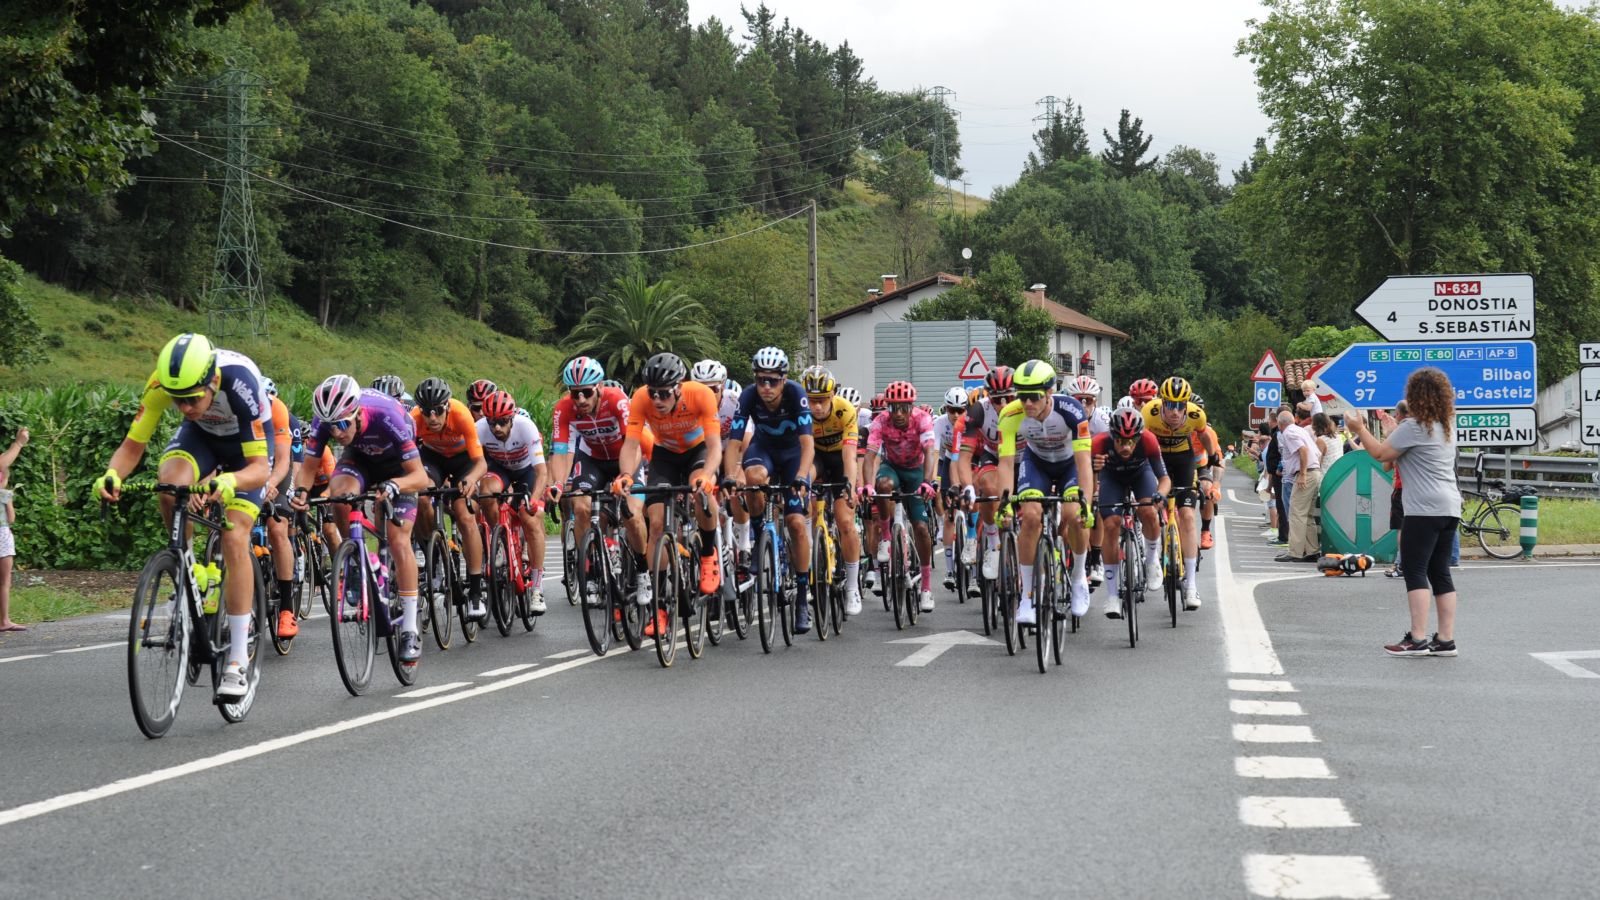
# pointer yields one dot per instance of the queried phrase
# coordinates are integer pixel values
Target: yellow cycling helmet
(1176, 390)
(818, 382)
(186, 365)
(1034, 375)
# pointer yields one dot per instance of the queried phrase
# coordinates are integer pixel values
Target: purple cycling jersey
(384, 437)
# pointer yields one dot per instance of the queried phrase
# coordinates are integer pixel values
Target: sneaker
(642, 592)
(1437, 647)
(1191, 599)
(536, 605)
(1097, 574)
(852, 601)
(1393, 572)
(1205, 540)
(233, 685)
(1025, 614)
(1152, 571)
(287, 626)
(883, 551)
(410, 648)
(658, 624)
(973, 590)
(950, 582)
(969, 551)
(1112, 608)
(1410, 646)
(1080, 598)
(991, 563)
(710, 574)
(802, 618)
(927, 601)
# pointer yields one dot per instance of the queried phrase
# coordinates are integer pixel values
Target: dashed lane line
(1282, 767)
(1294, 812)
(432, 689)
(1302, 877)
(1260, 687)
(1250, 733)
(506, 670)
(1265, 708)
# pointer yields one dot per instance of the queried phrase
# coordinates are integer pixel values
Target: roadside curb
(1541, 551)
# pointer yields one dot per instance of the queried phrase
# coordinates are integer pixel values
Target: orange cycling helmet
(499, 405)
(900, 392)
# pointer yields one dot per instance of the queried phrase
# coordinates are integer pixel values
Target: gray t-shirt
(1428, 470)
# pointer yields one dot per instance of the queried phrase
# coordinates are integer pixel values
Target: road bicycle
(509, 575)
(902, 574)
(1493, 519)
(774, 589)
(960, 521)
(675, 577)
(989, 595)
(827, 565)
(606, 575)
(569, 553)
(1051, 603)
(313, 570)
(1171, 557)
(171, 635)
(442, 571)
(365, 599)
(1130, 542)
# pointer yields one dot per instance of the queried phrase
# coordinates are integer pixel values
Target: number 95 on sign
(1269, 393)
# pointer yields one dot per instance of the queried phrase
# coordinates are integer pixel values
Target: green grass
(1569, 522)
(1246, 464)
(47, 603)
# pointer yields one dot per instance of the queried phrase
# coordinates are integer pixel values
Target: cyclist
(947, 431)
(380, 452)
(391, 385)
(714, 375)
(515, 452)
(1055, 460)
(1142, 391)
(1086, 390)
(773, 445)
(288, 447)
(903, 439)
(477, 392)
(682, 415)
(875, 408)
(977, 468)
(833, 432)
(452, 455)
(222, 444)
(1208, 471)
(588, 428)
(1173, 417)
(1128, 459)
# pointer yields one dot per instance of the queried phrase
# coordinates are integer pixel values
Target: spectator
(1309, 388)
(1302, 481)
(1397, 515)
(1329, 442)
(1422, 448)
(8, 514)
(1274, 457)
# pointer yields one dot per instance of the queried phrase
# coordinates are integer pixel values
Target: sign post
(1589, 404)
(1589, 354)
(974, 370)
(1485, 374)
(1451, 308)
(1511, 427)
(1267, 384)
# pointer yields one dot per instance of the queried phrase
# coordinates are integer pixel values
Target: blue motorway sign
(1484, 373)
(1269, 394)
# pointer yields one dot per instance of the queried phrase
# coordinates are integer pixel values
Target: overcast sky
(1169, 62)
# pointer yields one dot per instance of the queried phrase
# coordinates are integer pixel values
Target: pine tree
(1124, 154)
(1062, 137)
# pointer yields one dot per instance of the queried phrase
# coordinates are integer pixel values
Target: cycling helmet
(408, 401)
(818, 382)
(433, 393)
(708, 371)
(849, 395)
(499, 405)
(613, 383)
(1143, 390)
(1034, 375)
(977, 395)
(663, 370)
(1126, 403)
(270, 386)
(1000, 380)
(389, 384)
(900, 392)
(1195, 399)
(732, 387)
(956, 397)
(1176, 390)
(583, 371)
(879, 404)
(337, 397)
(1126, 423)
(480, 391)
(1084, 386)
(770, 359)
(186, 365)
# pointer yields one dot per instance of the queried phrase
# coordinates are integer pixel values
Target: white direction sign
(1497, 428)
(1589, 354)
(937, 644)
(1589, 405)
(1451, 308)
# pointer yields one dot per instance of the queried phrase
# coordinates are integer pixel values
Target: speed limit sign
(1269, 394)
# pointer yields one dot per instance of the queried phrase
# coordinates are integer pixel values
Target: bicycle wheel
(304, 588)
(406, 675)
(766, 589)
(895, 582)
(440, 587)
(836, 597)
(821, 581)
(1129, 588)
(593, 591)
(569, 560)
(913, 576)
(634, 616)
(267, 572)
(663, 624)
(502, 593)
(355, 640)
(696, 612)
(1044, 601)
(739, 603)
(715, 606)
(963, 573)
(235, 712)
(158, 645)
(1171, 571)
(1499, 530)
(1007, 592)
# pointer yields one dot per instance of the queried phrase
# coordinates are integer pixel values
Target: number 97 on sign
(1269, 393)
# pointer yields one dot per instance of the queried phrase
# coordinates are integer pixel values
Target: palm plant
(636, 320)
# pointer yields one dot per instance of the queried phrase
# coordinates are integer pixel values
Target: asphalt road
(825, 769)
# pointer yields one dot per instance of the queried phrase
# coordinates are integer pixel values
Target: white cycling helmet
(732, 387)
(1084, 386)
(957, 397)
(708, 371)
(849, 395)
(770, 359)
(270, 386)
(336, 398)
(1127, 403)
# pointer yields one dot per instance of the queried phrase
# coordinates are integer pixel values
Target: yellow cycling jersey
(1174, 440)
(833, 432)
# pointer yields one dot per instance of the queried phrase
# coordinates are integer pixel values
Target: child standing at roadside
(8, 514)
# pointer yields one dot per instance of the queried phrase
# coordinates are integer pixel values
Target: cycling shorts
(446, 470)
(671, 469)
(207, 455)
(512, 480)
(906, 481)
(830, 466)
(1114, 489)
(783, 467)
(590, 474)
(1180, 468)
(1049, 478)
(370, 475)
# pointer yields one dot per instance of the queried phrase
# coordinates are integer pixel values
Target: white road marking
(1281, 767)
(1265, 687)
(432, 689)
(25, 656)
(1560, 660)
(1302, 877)
(937, 644)
(1249, 646)
(93, 647)
(567, 654)
(1265, 708)
(1294, 812)
(159, 776)
(506, 670)
(1273, 734)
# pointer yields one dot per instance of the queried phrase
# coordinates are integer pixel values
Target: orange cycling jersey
(458, 434)
(281, 438)
(684, 427)
(1206, 446)
(325, 464)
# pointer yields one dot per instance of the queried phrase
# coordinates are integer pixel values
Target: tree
(749, 288)
(1320, 341)
(1233, 349)
(1124, 154)
(636, 320)
(902, 175)
(1062, 137)
(996, 294)
(1247, 170)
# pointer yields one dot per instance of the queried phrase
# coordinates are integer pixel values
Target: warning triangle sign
(974, 368)
(1268, 369)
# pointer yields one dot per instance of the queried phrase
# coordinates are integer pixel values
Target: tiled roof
(1297, 370)
(896, 294)
(1067, 317)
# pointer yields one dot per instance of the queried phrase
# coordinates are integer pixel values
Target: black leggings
(1425, 553)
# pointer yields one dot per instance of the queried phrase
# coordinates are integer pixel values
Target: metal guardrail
(1551, 476)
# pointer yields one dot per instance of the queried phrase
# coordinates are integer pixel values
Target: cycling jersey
(836, 429)
(1063, 431)
(240, 413)
(726, 411)
(458, 434)
(948, 435)
(982, 429)
(775, 429)
(680, 429)
(1099, 419)
(523, 447)
(1207, 451)
(284, 423)
(902, 447)
(384, 437)
(602, 429)
(1173, 440)
(1146, 452)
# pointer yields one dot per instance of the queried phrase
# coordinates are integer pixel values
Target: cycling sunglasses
(582, 393)
(502, 423)
(1030, 395)
(770, 380)
(434, 411)
(341, 424)
(663, 393)
(1170, 404)
(899, 407)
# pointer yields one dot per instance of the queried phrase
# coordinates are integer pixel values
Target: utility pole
(813, 337)
(1048, 117)
(941, 144)
(235, 302)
